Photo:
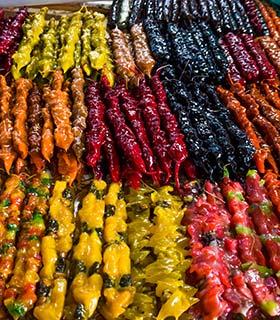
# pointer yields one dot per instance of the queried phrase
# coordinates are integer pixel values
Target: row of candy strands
(97, 121)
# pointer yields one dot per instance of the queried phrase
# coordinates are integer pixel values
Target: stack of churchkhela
(20, 292)
(12, 198)
(118, 290)
(140, 158)
(55, 248)
(85, 277)
(158, 245)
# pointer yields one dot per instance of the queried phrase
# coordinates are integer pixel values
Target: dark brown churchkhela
(47, 144)
(114, 14)
(35, 123)
(135, 13)
(79, 111)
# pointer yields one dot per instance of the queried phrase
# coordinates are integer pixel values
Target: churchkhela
(140, 157)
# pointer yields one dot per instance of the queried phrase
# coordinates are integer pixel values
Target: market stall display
(140, 158)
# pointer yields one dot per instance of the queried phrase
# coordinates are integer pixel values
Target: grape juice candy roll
(246, 23)
(124, 136)
(7, 152)
(267, 110)
(55, 246)
(103, 53)
(62, 28)
(175, 15)
(144, 60)
(125, 65)
(20, 293)
(272, 50)
(88, 23)
(118, 289)
(85, 290)
(157, 42)
(59, 103)
(271, 94)
(72, 36)
(247, 65)
(255, 17)
(12, 201)
(68, 166)
(11, 33)
(273, 188)
(267, 71)
(79, 112)
(268, 229)
(203, 8)
(125, 10)
(49, 53)
(246, 235)
(35, 124)
(19, 111)
(234, 75)
(96, 130)
(150, 113)
(111, 156)
(262, 154)
(31, 38)
(32, 69)
(129, 106)
(178, 150)
(115, 13)
(269, 21)
(135, 12)
(47, 143)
